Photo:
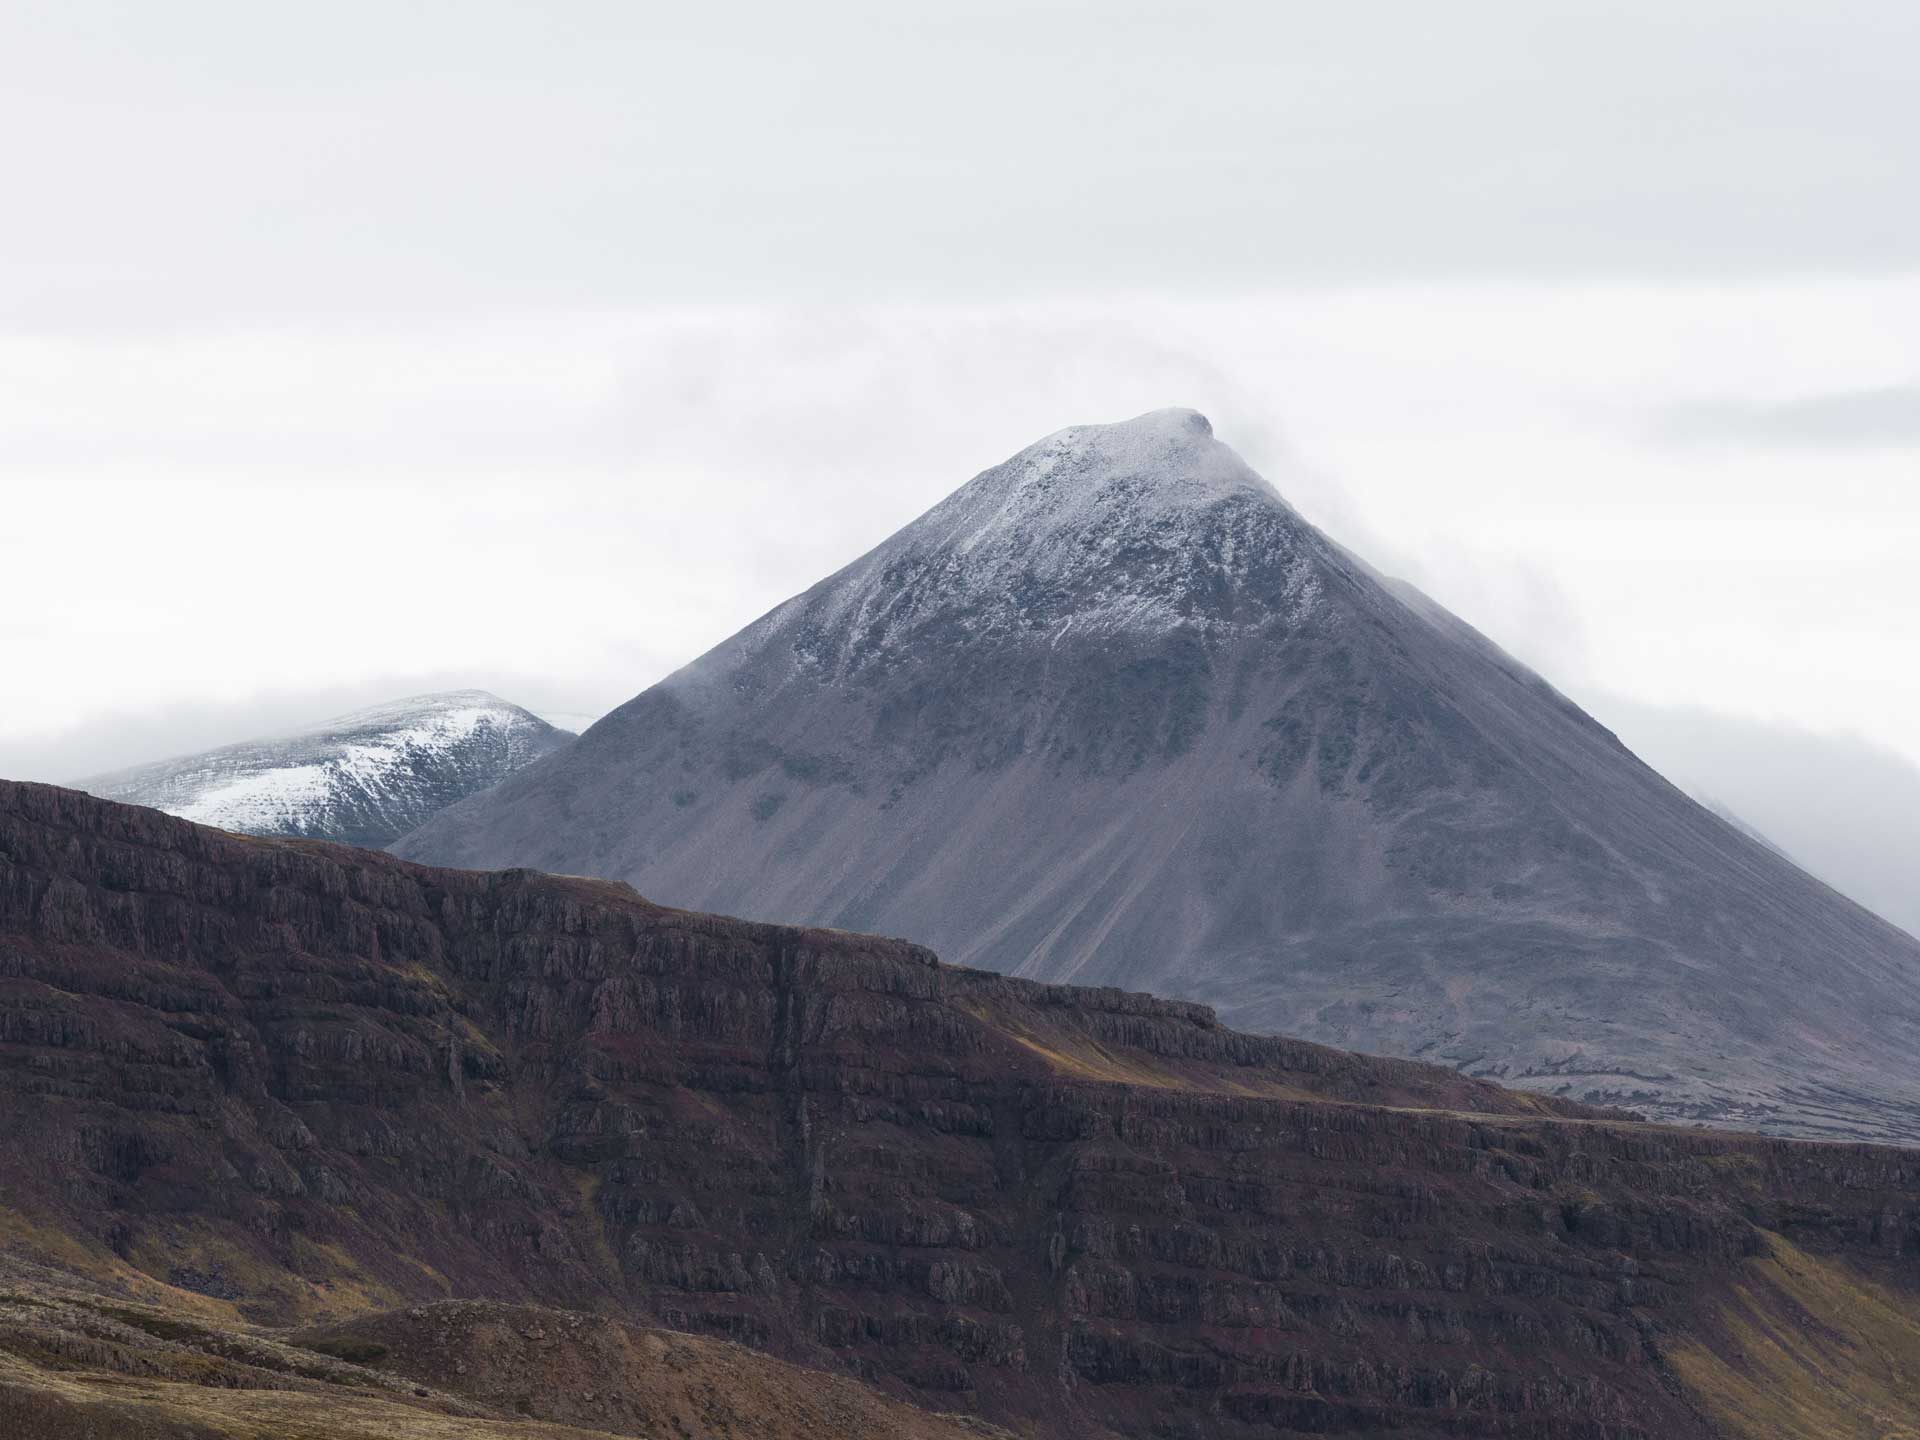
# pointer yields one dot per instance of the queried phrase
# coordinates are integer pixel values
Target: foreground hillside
(300, 1091)
(82, 1363)
(1114, 713)
(365, 778)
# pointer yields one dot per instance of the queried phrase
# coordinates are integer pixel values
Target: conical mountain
(1113, 712)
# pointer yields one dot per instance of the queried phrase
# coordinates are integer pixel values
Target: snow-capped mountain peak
(366, 778)
(1146, 525)
(1090, 478)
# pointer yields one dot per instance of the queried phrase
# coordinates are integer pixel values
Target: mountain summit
(1143, 526)
(365, 778)
(1114, 712)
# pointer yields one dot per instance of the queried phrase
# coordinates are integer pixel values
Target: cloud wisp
(1885, 416)
(1845, 809)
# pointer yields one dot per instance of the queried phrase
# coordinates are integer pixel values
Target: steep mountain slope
(1113, 712)
(365, 778)
(277, 1082)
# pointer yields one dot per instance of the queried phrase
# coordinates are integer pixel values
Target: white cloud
(562, 506)
(1883, 415)
(216, 162)
(1846, 809)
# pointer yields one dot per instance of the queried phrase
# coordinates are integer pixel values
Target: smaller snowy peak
(366, 778)
(443, 718)
(465, 704)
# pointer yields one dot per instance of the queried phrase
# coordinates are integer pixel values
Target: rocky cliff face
(1114, 713)
(302, 1081)
(365, 778)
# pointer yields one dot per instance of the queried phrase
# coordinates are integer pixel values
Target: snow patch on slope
(265, 801)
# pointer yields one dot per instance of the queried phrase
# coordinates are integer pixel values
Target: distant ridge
(365, 778)
(1113, 712)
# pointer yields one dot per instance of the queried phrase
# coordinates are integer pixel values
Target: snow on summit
(1145, 525)
(1155, 476)
(365, 778)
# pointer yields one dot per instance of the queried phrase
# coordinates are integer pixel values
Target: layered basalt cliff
(299, 1082)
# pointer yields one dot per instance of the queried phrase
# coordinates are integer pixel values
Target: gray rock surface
(365, 778)
(1114, 713)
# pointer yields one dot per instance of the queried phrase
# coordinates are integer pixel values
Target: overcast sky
(352, 350)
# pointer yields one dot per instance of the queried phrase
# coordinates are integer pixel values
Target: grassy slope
(1809, 1349)
(82, 1362)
